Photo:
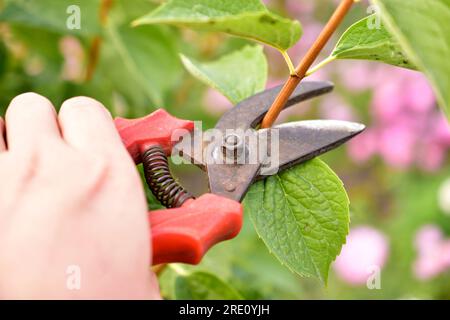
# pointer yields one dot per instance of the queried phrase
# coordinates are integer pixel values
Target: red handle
(185, 234)
(182, 234)
(158, 128)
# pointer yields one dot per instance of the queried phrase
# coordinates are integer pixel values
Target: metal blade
(288, 144)
(303, 140)
(298, 142)
(250, 112)
(233, 180)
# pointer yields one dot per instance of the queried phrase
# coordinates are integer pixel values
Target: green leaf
(421, 27)
(53, 15)
(148, 65)
(202, 285)
(261, 277)
(140, 61)
(237, 75)
(302, 215)
(365, 41)
(247, 19)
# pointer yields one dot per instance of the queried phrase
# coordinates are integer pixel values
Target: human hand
(73, 215)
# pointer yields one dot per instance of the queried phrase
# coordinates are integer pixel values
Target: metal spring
(160, 181)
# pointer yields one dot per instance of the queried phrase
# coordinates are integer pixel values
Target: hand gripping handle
(181, 234)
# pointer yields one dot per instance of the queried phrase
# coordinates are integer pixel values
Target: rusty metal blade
(250, 112)
(297, 142)
(303, 140)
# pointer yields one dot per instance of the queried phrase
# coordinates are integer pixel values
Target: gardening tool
(189, 227)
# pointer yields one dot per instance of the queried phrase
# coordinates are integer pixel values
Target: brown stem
(93, 55)
(305, 63)
(94, 50)
(105, 7)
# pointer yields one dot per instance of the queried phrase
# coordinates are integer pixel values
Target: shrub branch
(306, 63)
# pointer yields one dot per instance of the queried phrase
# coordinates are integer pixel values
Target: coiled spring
(160, 181)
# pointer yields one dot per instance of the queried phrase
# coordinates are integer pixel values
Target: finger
(2, 135)
(30, 118)
(87, 125)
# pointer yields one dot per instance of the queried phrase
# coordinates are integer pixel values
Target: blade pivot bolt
(233, 147)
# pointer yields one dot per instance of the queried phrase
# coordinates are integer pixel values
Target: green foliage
(237, 75)
(135, 54)
(47, 14)
(144, 70)
(301, 240)
(414, 212)
(421, 28)
(126, 66)
(3, 57)
(200, 285)
(369, 42)
(248, 19)
(261, 277)
(302, 215)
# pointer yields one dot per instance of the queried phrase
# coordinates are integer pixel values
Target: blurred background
(397, 173)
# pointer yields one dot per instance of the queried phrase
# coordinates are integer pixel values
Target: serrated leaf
(261, 277)
(365, 40)
(302, 215)
(53, 15)
(237, 75)
(247, 19)
(202, 285)
(421, 28)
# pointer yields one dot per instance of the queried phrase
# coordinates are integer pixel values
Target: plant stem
(306, 63)
(105, 7)
(94, 50)
(288, 62)
(93, 55)
(320, 65)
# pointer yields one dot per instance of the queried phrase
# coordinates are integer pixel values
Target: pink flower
(418, 95)
(433, 253)
(431, 157)
(357, 75)
(366, 247)
(363, 147)
(408, 128)
(427, 238)
(73, 54)
(396, 145)
(296, 7)
(387, 102)
(267, 2)
(445, 254)
(333, 107)
(441, 130)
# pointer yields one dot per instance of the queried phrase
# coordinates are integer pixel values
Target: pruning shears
(186, 230)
